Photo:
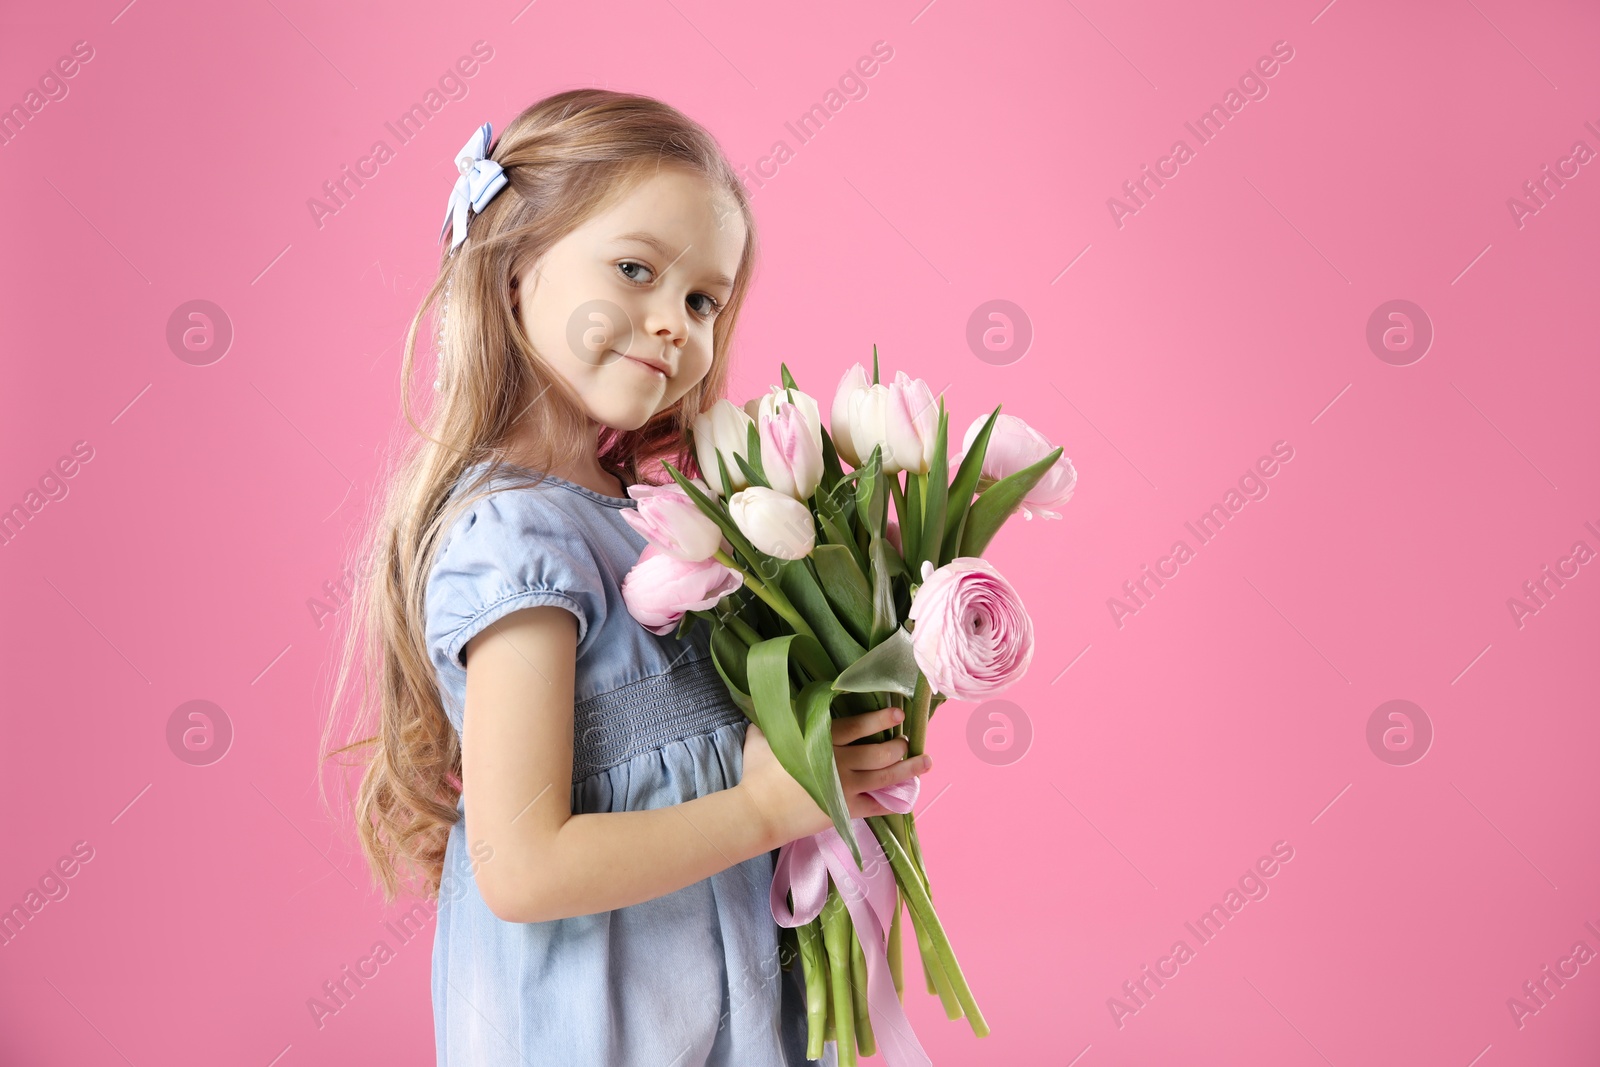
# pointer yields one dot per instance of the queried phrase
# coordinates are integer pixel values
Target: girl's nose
(666, 323)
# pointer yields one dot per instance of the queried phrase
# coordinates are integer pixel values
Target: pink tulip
(668, 519)
(1013, 445)
(791, 442)
(972, 638)
(912, 425)
(660, 589)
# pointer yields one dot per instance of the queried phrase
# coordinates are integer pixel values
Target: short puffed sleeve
(509, 550)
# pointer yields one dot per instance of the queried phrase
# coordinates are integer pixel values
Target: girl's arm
(547, 863)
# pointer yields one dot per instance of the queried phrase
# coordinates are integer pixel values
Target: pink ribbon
(803, 868)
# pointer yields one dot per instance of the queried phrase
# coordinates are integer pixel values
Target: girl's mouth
(656, 372)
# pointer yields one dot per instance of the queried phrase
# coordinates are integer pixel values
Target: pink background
(1168, 754)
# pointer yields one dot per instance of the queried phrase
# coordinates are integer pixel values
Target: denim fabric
(689, 978)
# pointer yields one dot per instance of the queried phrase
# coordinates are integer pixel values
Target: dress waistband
(612, 728)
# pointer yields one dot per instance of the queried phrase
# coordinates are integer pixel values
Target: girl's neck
(590, 474)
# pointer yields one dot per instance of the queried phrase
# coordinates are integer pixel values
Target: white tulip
(724, 429)
(853, 381)
(869, 412)
(776, 524)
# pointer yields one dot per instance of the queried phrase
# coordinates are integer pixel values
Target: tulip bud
(668, 519)
(659, 589)
(791, 442)
(725, 429)
(1014, 445)
(912, 425)
(778, 525)
(852, 382)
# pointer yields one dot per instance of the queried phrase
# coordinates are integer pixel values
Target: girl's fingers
(897, 772)
(850, 728)
(871, 757)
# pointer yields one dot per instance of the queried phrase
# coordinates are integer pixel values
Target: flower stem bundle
(821, 606)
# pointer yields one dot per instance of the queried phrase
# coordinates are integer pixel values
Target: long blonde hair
(566, 158)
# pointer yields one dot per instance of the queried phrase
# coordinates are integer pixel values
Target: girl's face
(622, 307)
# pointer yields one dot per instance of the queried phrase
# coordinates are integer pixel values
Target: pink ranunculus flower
(973, 637)
(1013, 445)
(668, 519)
(659, 589)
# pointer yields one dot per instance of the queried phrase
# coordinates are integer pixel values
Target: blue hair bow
(481, 178)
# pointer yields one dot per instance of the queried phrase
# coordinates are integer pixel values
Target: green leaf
(884, 617)
(768, 666)
(836, 525)
(875, 365)
(931, 546)
(911, 520)
(996, 503)
(801, 738)
(800, 586)
(814, 709)
(751, 474)
(870, 498)
(788, 379)
(689, 619)
(888, 666)
(752, 452)
(728, 656)
(965, 484)
(846, 588)
(832, 470)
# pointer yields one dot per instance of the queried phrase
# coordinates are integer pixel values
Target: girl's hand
(788, 809)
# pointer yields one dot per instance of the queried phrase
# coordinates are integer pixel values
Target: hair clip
(481, 178)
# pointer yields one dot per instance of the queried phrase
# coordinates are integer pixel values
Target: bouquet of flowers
(821, 606)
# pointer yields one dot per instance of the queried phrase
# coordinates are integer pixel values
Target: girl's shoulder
(509, 545)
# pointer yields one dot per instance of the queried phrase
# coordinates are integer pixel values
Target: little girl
(593, 813)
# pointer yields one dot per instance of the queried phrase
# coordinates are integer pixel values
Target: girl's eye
(709, 310)
(712, 305)
(625, 264)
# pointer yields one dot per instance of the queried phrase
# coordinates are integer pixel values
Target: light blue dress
(690, 978)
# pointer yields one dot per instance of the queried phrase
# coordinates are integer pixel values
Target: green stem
(896, 962)
(916, 720)
(897, 494)
(818, 668)
(774, 598)
(836, 935)
(814, 959)
(933, 971)
(865, 1040)
(923, 916)
(730, 618)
